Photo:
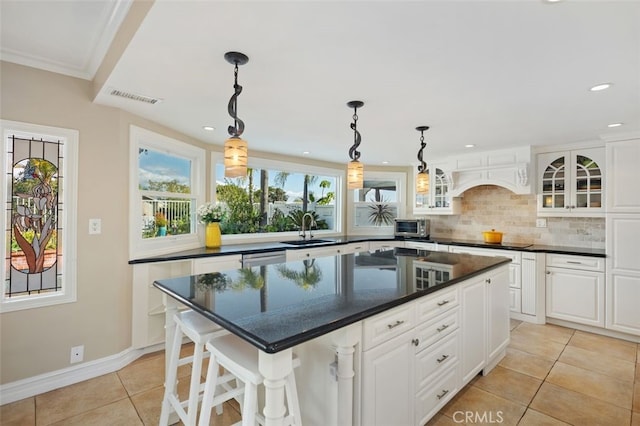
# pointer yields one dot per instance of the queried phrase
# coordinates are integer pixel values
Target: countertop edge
(240, 249)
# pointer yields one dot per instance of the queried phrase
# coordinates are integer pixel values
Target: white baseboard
(25, 388)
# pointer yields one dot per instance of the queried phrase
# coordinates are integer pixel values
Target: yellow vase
(212, 237)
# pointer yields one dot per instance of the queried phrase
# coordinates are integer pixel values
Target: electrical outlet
(95, 226)
(77, 354)
(541, 223)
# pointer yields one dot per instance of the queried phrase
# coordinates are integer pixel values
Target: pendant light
(422, 178)
(235, 148)
(355, 171)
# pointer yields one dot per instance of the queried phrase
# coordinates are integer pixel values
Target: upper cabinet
(623, 163)
(438, 200)
(571, 183)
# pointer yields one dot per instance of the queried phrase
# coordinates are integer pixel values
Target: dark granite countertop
(252, 248)
(281, 305)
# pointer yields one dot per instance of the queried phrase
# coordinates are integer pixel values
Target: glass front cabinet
(571, 183)
(437, 200)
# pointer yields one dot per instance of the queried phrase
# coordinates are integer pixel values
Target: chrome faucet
(311, 224)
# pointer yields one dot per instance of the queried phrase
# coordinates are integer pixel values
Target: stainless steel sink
(306, 242)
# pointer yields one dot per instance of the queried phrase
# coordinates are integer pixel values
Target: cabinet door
(623, 273)
(623, 297)
(388, 388)
(575, 295)
(498, 313)
(473, 311)
(623, 173)
(571, 183)
(437, 200)
(553, 182)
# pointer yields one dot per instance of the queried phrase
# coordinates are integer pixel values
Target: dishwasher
(266, 258)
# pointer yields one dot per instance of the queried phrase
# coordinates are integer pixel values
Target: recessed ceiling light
(209, 128)
(469, 145)
(600, 87)
(385, 162)
(305, 152)
(614, 125)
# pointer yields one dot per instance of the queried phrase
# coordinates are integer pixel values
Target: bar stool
(200, 330)
(240, 359)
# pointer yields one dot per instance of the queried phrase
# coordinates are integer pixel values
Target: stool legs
(209, 391)
(170, 383)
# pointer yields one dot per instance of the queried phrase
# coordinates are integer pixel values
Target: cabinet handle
(444, 392)
(548, 272)
(442, 359)
(488, 280)
(443, 328)
(574, 262)
(415, 342)
(397, 323)
(444, 302)
(338, 251)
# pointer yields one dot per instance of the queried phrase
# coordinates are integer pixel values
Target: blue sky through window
(158, 167)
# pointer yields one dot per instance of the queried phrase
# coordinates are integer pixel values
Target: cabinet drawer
(515, 256)
(430, 306)
(585, 263)
(433, 397)
(437, 329)
(436, 359)
(382, 327)
(216, 264)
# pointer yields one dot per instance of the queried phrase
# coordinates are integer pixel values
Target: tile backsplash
(489, 207)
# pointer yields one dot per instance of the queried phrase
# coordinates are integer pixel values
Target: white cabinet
(485, 322)
(575, 289)
(474, 320)
(437, 200)
(571, 183)
(515, 270)
(623, 166)
(623, 273)
(498, 316)
(387, 383)
(623, 234)
(410, 360)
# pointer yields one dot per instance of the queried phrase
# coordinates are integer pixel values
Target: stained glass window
(35, 213)
(38, 215)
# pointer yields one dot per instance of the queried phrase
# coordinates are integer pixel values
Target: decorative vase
(212, 237)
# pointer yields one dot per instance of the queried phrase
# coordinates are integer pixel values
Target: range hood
(509, 168)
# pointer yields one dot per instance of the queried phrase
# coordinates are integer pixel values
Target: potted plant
(161, 224)
(210, 216)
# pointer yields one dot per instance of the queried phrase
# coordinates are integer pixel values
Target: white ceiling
(491, 73)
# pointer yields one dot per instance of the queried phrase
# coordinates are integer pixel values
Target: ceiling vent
(135, 97)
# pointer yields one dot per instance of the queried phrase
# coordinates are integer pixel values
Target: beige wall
(37, 341)
(489, 206)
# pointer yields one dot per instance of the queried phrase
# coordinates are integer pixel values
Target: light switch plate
(95, 226)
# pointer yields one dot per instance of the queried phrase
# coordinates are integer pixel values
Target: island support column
(345, 341)
(275, 368)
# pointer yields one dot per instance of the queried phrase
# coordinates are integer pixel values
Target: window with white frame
(275, 195)
(378, 203)
(39, 215)
(166, 186)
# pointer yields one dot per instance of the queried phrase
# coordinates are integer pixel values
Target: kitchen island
(328, 310)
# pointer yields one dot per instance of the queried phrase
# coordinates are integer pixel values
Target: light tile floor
(550, 376)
